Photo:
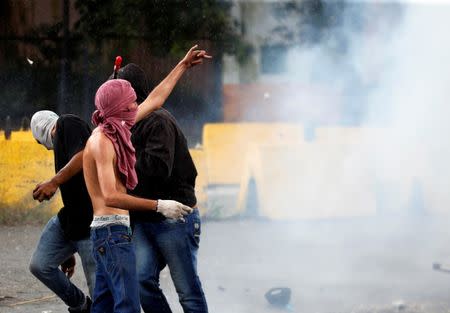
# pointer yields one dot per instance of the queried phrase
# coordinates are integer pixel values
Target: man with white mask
(67, 232)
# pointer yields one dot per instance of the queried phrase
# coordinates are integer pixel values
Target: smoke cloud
(387, 62)
(389, 65)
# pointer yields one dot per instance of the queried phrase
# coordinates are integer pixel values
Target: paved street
(352, 265)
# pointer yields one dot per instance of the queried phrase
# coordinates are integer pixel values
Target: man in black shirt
(68, 231)
(165, 170)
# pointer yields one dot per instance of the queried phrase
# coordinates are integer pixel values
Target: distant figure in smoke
(68, 231)
(165, 170)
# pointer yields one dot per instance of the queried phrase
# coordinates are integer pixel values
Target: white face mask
(48, 142)
(42, 124)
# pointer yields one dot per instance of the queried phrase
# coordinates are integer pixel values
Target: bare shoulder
(99, 146)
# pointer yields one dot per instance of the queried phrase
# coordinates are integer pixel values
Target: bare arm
(159, 95)
(103, 154)
(46, 189)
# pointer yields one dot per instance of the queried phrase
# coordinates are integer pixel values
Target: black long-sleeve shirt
(75, 217)
(164, 165)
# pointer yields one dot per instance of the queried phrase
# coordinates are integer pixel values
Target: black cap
(137, 78)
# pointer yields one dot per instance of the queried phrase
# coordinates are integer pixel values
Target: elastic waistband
(109, 220)
(108, 230)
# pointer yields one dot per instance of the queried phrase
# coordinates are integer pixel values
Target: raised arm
(159, 95)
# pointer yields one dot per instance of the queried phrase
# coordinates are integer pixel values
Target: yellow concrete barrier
(226, 144)
(23, 164)
(339, 174)
(308, 180)
(198, 156)
(226, 147)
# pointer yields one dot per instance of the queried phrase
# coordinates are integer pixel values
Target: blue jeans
(53, 249)
(174, 243)
(116, 285)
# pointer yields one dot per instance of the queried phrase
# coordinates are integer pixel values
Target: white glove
(172, 209)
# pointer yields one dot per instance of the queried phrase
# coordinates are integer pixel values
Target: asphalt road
(346, 265)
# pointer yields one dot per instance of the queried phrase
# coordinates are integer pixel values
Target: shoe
(87, 307)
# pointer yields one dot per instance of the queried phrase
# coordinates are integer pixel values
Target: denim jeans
(116, 286)
(53, 249)
(174, 243)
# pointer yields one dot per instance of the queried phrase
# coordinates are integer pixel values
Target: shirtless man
(108, 165)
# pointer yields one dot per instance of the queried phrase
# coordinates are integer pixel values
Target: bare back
(101, 173)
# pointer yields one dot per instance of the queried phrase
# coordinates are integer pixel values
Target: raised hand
(195, 56)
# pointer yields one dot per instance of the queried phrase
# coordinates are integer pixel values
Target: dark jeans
(174, 243)
(53, 249)
(116, 286)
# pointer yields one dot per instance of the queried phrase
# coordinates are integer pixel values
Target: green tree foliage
(170, 26)
(103, 29)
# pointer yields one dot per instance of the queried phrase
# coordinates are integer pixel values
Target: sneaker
(86, 309)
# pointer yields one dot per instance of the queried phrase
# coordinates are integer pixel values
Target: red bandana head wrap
(115, 119)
